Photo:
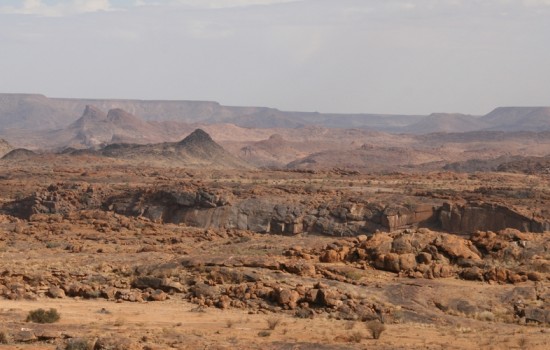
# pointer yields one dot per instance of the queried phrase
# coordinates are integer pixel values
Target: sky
(346, 56)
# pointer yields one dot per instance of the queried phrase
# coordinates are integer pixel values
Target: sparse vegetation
(273, 322)
(356, 337)
(264, 334)
(353, 274)
(225, 273)
(78, 344)
(350, 325)
(376, 328)
(523, 342)
(43, 316)
(4, 337)
(486, 316)
(303, 313)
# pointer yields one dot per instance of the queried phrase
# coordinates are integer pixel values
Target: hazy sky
(379, 56)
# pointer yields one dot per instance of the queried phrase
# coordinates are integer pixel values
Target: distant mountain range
(162, 131)
(38, 112)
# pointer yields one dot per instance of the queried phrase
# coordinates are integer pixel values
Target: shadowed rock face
(488, 217)
(275, 216)
(270, 214)
(198, 137)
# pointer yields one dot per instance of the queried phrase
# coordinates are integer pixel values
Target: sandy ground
(177, 324)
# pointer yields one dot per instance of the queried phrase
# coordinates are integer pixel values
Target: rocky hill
(367, 158)
(197, 149)
(528, 165)
(19, 154)
(518, 118)
(95, 128)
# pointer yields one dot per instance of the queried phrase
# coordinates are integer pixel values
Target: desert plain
(223, 236)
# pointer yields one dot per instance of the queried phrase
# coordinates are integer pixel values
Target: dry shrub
(355, 337)
(4, 337)
(486, 316)
(523, 342)
(230, 323)
(43, 316)
(376, 328)
(78, 344)
(273, 322)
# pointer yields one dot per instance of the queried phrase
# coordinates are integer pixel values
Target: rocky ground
(138, 257)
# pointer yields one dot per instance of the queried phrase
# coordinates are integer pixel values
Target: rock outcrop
(197, 149)
(476, 216)
(19, 154)
(222, 209)
(426, 254)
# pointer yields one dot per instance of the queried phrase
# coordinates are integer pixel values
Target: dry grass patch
(376, 328)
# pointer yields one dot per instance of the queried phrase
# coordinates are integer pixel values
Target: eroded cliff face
(274, 214)
(479, 216)
(200, 207)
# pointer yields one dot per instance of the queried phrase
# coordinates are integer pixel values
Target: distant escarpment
(35, 112)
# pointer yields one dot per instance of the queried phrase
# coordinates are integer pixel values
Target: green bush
(43, 316)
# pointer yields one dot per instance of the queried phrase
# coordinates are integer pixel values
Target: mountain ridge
(33, 112)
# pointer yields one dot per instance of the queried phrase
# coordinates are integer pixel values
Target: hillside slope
(197, 149)
(5, 147)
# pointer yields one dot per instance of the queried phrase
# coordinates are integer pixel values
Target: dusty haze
(354, 56)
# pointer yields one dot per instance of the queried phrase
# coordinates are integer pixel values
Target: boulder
(56, 292)
(328, 298)
(456, 247)
(330, 256)
(287, 297)
(392, 262)
(538, 315)
(407, 262)
(472, 274)
(158, 295)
